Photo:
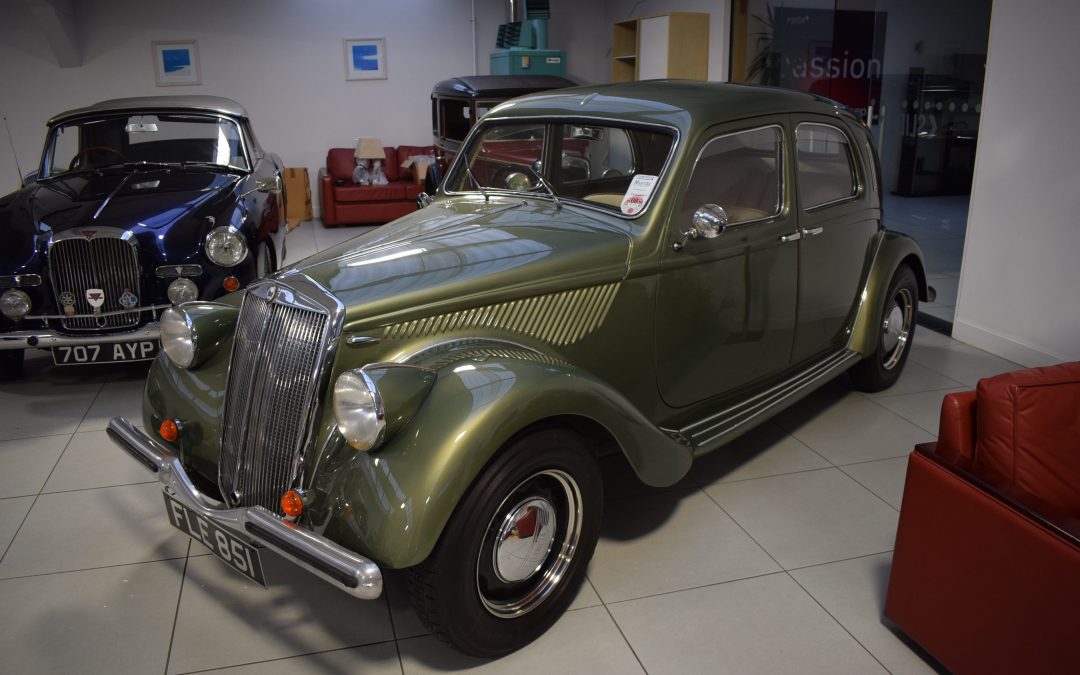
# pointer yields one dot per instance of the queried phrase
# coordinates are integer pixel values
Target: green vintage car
(648, 269)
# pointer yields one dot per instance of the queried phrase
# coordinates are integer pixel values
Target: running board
(719, 428)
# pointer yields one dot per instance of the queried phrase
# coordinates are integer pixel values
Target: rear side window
(739, 172)
(826, 171)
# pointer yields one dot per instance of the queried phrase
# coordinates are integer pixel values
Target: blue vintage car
(137, 204)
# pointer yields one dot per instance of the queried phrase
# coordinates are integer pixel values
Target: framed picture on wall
(176, 63)
(365, 59)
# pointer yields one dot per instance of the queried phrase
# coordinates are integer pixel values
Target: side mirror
(271, 184)
(708, 222)
(423, 200)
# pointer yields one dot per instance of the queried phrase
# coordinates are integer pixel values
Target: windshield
(90, 144)
(607, 166)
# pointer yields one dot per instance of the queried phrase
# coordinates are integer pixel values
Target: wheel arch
(896, 249)
(394, 502)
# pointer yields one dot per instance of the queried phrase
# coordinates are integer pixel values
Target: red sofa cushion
(340, 163)
(370, 193)
(1028, 433)
(390, 164)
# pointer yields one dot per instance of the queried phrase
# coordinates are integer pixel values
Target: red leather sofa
(986, 569)
(348, 203)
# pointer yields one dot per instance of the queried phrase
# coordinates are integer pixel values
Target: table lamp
(369, 149)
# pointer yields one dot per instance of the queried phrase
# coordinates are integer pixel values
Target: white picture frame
(176, 63)
(365, 59)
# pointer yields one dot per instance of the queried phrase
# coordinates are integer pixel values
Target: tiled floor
(772, 557)
(939, 224)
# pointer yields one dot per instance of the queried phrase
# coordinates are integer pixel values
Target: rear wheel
(881, 369)
(514, 552)
(11, 364)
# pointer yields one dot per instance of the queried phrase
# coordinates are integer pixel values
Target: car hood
(146, 202)
(454, 255)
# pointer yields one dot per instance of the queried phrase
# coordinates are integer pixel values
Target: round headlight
(358, 409)
(15, 304)
(225, 247)
(178, 339)
(182, 290)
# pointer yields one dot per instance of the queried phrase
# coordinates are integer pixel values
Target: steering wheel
(95, 148)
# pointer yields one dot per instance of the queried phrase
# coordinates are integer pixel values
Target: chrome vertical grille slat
(271, 388)
(110, 263)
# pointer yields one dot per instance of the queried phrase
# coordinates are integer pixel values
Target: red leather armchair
(986, 570)
(350, 203)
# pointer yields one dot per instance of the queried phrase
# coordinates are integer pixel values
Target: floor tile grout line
(97, 487)
(909, 421)
(833, 562)
(740, 526)
(876, 495)
(611, 616)
(91, 569)
(699, 587)
(176, 614)
(26, 515)
(216, 669)
(838, 622)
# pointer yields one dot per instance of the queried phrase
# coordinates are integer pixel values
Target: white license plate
(239, 555)
(137, 350)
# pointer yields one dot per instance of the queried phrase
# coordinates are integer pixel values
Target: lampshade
(369, 148)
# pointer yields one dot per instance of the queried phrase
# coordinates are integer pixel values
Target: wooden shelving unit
(672, 45)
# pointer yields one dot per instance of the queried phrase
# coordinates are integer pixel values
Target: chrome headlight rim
(19, 296)
(359, 382)
(231, 231)
(165, 323)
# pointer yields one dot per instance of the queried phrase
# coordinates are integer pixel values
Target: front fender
(392, 503)
(895, 249)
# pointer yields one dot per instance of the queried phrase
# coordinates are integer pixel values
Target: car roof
(499, 86)
(214, 104)
(679, 103)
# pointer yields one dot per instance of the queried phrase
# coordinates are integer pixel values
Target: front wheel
(881, 369)
(515, 549)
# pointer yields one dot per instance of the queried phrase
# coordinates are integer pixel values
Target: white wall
(281, 59)
(719, 12)
(1020, 283)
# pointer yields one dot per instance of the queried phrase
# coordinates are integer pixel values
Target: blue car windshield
(99, 142)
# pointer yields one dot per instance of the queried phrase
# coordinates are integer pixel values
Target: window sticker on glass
(638, 194)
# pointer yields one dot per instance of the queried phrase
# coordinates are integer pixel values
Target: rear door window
(826, 172)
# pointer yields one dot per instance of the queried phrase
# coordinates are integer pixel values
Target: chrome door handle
(791, 237)
(811, 233)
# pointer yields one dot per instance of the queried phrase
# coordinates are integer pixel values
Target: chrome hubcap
(524, 542)
(896, 328)
(530, 543)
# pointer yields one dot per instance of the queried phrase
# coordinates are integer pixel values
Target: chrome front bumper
(346, 570)
(45, 338)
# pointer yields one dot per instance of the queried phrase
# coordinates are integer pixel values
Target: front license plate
(240, 555)
(138, 350)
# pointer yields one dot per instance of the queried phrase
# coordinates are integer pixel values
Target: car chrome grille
(271, 386)
(110, 264)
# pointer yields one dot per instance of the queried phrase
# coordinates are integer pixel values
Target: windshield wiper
(469, 173)
(137, 165)
(211, 165)
(547, 186)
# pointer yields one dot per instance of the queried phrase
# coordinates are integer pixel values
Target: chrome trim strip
(137, 310)
(349, 572)
(360, 340)
(44, 338)
(719, 425)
